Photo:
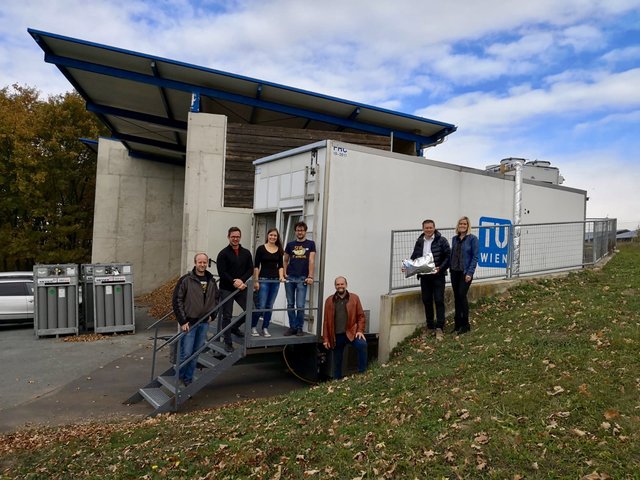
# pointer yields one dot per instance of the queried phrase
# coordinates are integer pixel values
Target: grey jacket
(189, 303)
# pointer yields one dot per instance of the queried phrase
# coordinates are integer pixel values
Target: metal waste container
(86, 311)
(113, 298)
(56, 299)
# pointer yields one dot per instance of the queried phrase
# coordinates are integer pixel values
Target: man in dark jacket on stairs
(235, 267)
(195, 295)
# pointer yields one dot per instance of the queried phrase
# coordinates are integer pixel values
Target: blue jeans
(358, 343)
(266, 298)
(189, 343)
(296, 291)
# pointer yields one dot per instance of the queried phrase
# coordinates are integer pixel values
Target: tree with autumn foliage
(47, 178)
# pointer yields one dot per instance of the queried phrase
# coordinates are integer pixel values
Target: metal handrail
(174, 338)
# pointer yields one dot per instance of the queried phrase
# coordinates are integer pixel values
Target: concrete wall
(402, 313)
(205, 220)
(138, 215)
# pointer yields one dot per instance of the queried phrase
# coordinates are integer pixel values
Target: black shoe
(299, 333)
(228, 347)
(464, 329)
(289, 332)
(237, 332)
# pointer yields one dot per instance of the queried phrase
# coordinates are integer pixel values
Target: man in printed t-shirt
(299, 264)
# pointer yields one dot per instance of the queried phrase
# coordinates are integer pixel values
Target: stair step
(169, 381)
(155, 396)
(217, 349)
(209, 360)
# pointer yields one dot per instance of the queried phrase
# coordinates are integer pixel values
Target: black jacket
(189, 303)
(231, 266)
(439, 248)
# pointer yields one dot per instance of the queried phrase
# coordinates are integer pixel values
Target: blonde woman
(463, 262)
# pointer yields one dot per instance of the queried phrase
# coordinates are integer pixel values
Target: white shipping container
(352, 197)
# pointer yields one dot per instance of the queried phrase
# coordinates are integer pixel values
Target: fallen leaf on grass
(360, 456)
(556, 390)
(596, 476)
(611, 414)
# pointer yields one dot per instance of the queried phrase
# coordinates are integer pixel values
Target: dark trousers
(341, 342)
(432, 287)
(227, 311)
(460, 289)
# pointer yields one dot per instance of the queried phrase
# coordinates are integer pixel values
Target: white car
(16, 297)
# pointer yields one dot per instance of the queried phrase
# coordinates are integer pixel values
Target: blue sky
(555, 80)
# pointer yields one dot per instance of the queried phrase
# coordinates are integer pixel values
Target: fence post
(391, 265)
(594, 244)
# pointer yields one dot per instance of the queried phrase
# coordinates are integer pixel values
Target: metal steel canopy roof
(145, 100)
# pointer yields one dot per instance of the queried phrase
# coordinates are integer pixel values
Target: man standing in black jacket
(432, 285)
(235, 267)
(195, 295)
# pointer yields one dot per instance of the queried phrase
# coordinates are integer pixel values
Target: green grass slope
(547, 385)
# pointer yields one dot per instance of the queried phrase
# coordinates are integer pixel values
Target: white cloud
(480, 111)
(628, 118)
(390, 54)
(619, 55)
(582, 37)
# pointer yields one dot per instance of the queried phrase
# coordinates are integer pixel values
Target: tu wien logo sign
(493, 237)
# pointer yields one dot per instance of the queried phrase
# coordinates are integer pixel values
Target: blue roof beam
(148, 141)
(244, 100)
(354, 114)
(133, 115)
(252, 118)
(163, 97)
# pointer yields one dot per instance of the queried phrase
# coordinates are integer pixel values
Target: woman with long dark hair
(268, 272)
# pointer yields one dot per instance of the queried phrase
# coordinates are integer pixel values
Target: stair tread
(210, 359)
(155, 396)
(169, 381)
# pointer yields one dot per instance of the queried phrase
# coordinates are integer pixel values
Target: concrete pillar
(205, 218)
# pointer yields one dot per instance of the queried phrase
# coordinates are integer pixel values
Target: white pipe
(517, 216)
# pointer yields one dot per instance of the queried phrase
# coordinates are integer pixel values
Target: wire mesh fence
(544, 247)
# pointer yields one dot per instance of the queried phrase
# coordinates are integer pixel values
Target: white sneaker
(265, 332)
(254, 332)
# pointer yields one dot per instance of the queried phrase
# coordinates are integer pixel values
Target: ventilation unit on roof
(538, 170)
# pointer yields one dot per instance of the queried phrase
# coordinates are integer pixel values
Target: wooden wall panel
(246, 143)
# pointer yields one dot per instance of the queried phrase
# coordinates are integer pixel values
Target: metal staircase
(165, 392)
